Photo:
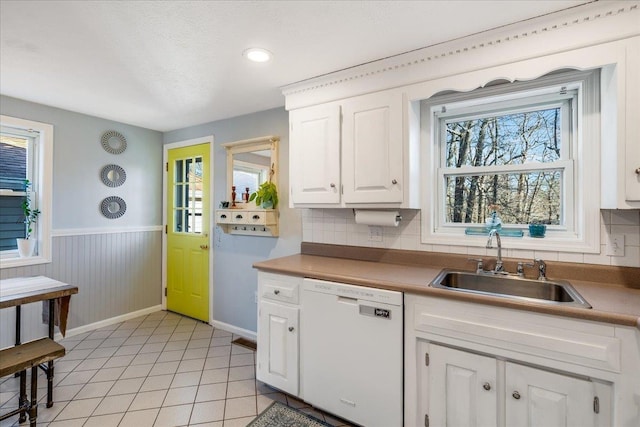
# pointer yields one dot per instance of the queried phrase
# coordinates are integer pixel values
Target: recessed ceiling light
(257, 54)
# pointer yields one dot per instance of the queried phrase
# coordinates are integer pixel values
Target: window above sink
(527, 150)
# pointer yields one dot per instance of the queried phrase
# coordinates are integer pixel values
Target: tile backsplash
(338, 227)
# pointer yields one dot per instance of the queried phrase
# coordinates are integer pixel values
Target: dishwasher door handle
(347, 300)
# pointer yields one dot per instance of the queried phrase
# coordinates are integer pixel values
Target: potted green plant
(266, 196)
(27, 245)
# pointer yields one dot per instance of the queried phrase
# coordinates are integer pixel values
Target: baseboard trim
(107, 322)
(234, 329)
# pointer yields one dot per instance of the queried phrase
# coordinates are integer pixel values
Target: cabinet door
(462, 388)
(372, 148)
(537, 398)
(278, 346)
(632, 137)
(315, 155)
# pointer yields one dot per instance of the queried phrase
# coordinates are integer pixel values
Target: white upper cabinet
(621, 129)
(349, 153)
(315, 155)
(632, 138)
(372, 148)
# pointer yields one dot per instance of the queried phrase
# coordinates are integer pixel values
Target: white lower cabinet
(278, 361)
(468, 364)
(467, 389)
(461, 388)
(535, 397)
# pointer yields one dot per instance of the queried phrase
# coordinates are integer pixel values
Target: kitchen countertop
(612, 303)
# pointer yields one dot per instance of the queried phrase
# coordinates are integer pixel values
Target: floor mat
(280, 415)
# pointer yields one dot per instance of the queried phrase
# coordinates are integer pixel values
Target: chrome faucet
(542, 269)
(499, 268)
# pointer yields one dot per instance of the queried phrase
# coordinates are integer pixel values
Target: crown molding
(578, 27)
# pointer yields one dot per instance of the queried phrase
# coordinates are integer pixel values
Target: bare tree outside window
(528, 138)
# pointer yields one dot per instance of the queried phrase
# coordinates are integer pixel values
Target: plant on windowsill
(266, 196)
(27, 245)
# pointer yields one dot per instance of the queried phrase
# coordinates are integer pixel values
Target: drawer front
(258, 218)
(279, 287)
(224, 217)
(585, 343)
(239, 217)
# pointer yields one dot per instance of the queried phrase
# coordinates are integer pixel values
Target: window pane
(508, 139)
(520, 197)
(11, 222)
(188, 196)
(13, 173)
(13, 167)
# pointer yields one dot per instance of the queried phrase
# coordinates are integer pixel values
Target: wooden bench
(19, 359)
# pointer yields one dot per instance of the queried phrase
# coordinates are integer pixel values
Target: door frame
(165, 159)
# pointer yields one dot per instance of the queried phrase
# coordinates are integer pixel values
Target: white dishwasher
(352, 352)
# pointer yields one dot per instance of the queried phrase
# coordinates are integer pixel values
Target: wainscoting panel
(116, 273)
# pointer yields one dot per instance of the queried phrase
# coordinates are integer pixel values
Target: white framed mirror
(250, 163)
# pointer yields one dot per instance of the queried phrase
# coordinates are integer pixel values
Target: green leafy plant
(30, 214)
(266, 193)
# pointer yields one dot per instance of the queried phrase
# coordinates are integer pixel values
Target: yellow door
(188, 231)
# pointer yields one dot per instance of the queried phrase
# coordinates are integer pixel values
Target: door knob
(394, 181)
(332, 185)
(204, 246)
(486, 386)
(638, 171)
(276, 291)
(516, 395)
(290, 328)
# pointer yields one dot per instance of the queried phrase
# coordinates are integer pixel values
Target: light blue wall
(234, 280)
(78, 158)
(116, 266)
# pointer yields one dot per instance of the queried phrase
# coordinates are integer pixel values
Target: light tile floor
(159, 370)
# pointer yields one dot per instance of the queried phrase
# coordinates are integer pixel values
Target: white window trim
(44, 189)
(586, 238)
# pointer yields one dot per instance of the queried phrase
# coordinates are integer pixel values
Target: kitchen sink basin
(509, 286)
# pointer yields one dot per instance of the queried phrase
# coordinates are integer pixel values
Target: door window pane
(188, 195)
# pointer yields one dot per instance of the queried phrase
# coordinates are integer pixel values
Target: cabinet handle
(290, 328)
(394, 181)
(516, 395)
(223, 216)
(277, 292)
(256, 217)
(204, 246)
(486, 386)
(638, 171)
(332, 185)
(238, 216)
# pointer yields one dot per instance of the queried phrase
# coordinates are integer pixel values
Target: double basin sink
(557, 292)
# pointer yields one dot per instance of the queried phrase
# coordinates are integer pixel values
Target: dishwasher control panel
(353, 291)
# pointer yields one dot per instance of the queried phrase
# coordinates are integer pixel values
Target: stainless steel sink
(510, 286)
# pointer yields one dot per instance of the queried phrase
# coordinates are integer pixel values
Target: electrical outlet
(615, 245)
(375, 233)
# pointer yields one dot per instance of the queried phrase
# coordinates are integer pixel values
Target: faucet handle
(542, 269)
(521, 266)
(479, 265)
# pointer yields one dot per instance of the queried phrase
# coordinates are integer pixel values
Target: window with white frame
(522, 150)
(25, 155)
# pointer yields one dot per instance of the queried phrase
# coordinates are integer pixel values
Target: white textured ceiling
(165, 65)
